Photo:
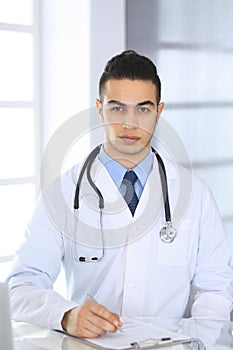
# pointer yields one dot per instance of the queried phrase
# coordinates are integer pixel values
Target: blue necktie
(130, 195)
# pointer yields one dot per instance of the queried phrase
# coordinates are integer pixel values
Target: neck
(127, 160)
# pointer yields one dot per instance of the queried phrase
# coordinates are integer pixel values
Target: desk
(214, 334)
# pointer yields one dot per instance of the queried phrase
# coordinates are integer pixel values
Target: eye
(144, 110)
(117, 109)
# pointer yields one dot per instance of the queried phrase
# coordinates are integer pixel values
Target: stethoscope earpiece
(85, 259)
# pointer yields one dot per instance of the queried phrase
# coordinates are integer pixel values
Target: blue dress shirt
(117, 171)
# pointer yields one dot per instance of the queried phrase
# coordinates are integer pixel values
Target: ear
(99, 107)
(160, 109)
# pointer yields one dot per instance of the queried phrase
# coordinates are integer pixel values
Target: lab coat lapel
(114, 202)
(151, 193)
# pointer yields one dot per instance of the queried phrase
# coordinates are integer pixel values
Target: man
(119, 256)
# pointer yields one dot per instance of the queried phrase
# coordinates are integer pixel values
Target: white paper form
(134, 331)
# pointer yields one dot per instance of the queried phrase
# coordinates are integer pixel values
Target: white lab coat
(139, 275)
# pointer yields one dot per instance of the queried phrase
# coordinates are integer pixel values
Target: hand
(90, 320)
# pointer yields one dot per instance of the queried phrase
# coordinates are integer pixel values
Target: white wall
(65, 33)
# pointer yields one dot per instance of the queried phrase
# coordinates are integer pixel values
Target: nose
(130, 119)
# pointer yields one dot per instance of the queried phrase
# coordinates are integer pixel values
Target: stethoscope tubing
(87, 167)
(163, 178)
(89, 160)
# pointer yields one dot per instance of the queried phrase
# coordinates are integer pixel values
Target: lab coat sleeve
(35, 269)
(213, 277)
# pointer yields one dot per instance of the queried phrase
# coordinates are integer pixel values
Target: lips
(129, 139)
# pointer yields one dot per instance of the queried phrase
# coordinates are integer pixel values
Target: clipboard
(154, 344)
(139, 335)
(194, 344)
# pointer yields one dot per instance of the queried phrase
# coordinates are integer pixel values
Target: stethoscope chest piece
(168, 233)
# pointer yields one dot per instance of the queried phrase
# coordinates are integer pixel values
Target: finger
(105, 319)
(118, 323)
(101, 323)
(90, 330)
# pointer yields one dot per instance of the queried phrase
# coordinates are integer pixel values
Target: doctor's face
(129, 112)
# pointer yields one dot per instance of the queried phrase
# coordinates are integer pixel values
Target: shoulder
(61, 189)
(188, 193)
(183, 174)
(70, 176)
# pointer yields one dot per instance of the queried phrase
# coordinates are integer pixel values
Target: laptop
(6, 332)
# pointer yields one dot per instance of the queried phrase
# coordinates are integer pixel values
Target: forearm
(213, 277)
(43, 307)
(210, 305)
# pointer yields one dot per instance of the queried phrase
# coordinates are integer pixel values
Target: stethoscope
(167, 233)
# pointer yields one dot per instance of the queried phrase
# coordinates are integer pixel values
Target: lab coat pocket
(179, 251)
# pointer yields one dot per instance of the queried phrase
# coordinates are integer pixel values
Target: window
(19, 122)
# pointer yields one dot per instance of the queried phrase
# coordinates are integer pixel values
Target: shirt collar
(117, 171)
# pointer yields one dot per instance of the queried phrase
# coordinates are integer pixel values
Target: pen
(93, 299)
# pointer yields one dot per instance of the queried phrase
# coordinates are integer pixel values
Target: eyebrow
(116, 102)
(146, 102)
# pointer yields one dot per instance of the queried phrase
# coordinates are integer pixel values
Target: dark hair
(130, 65)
